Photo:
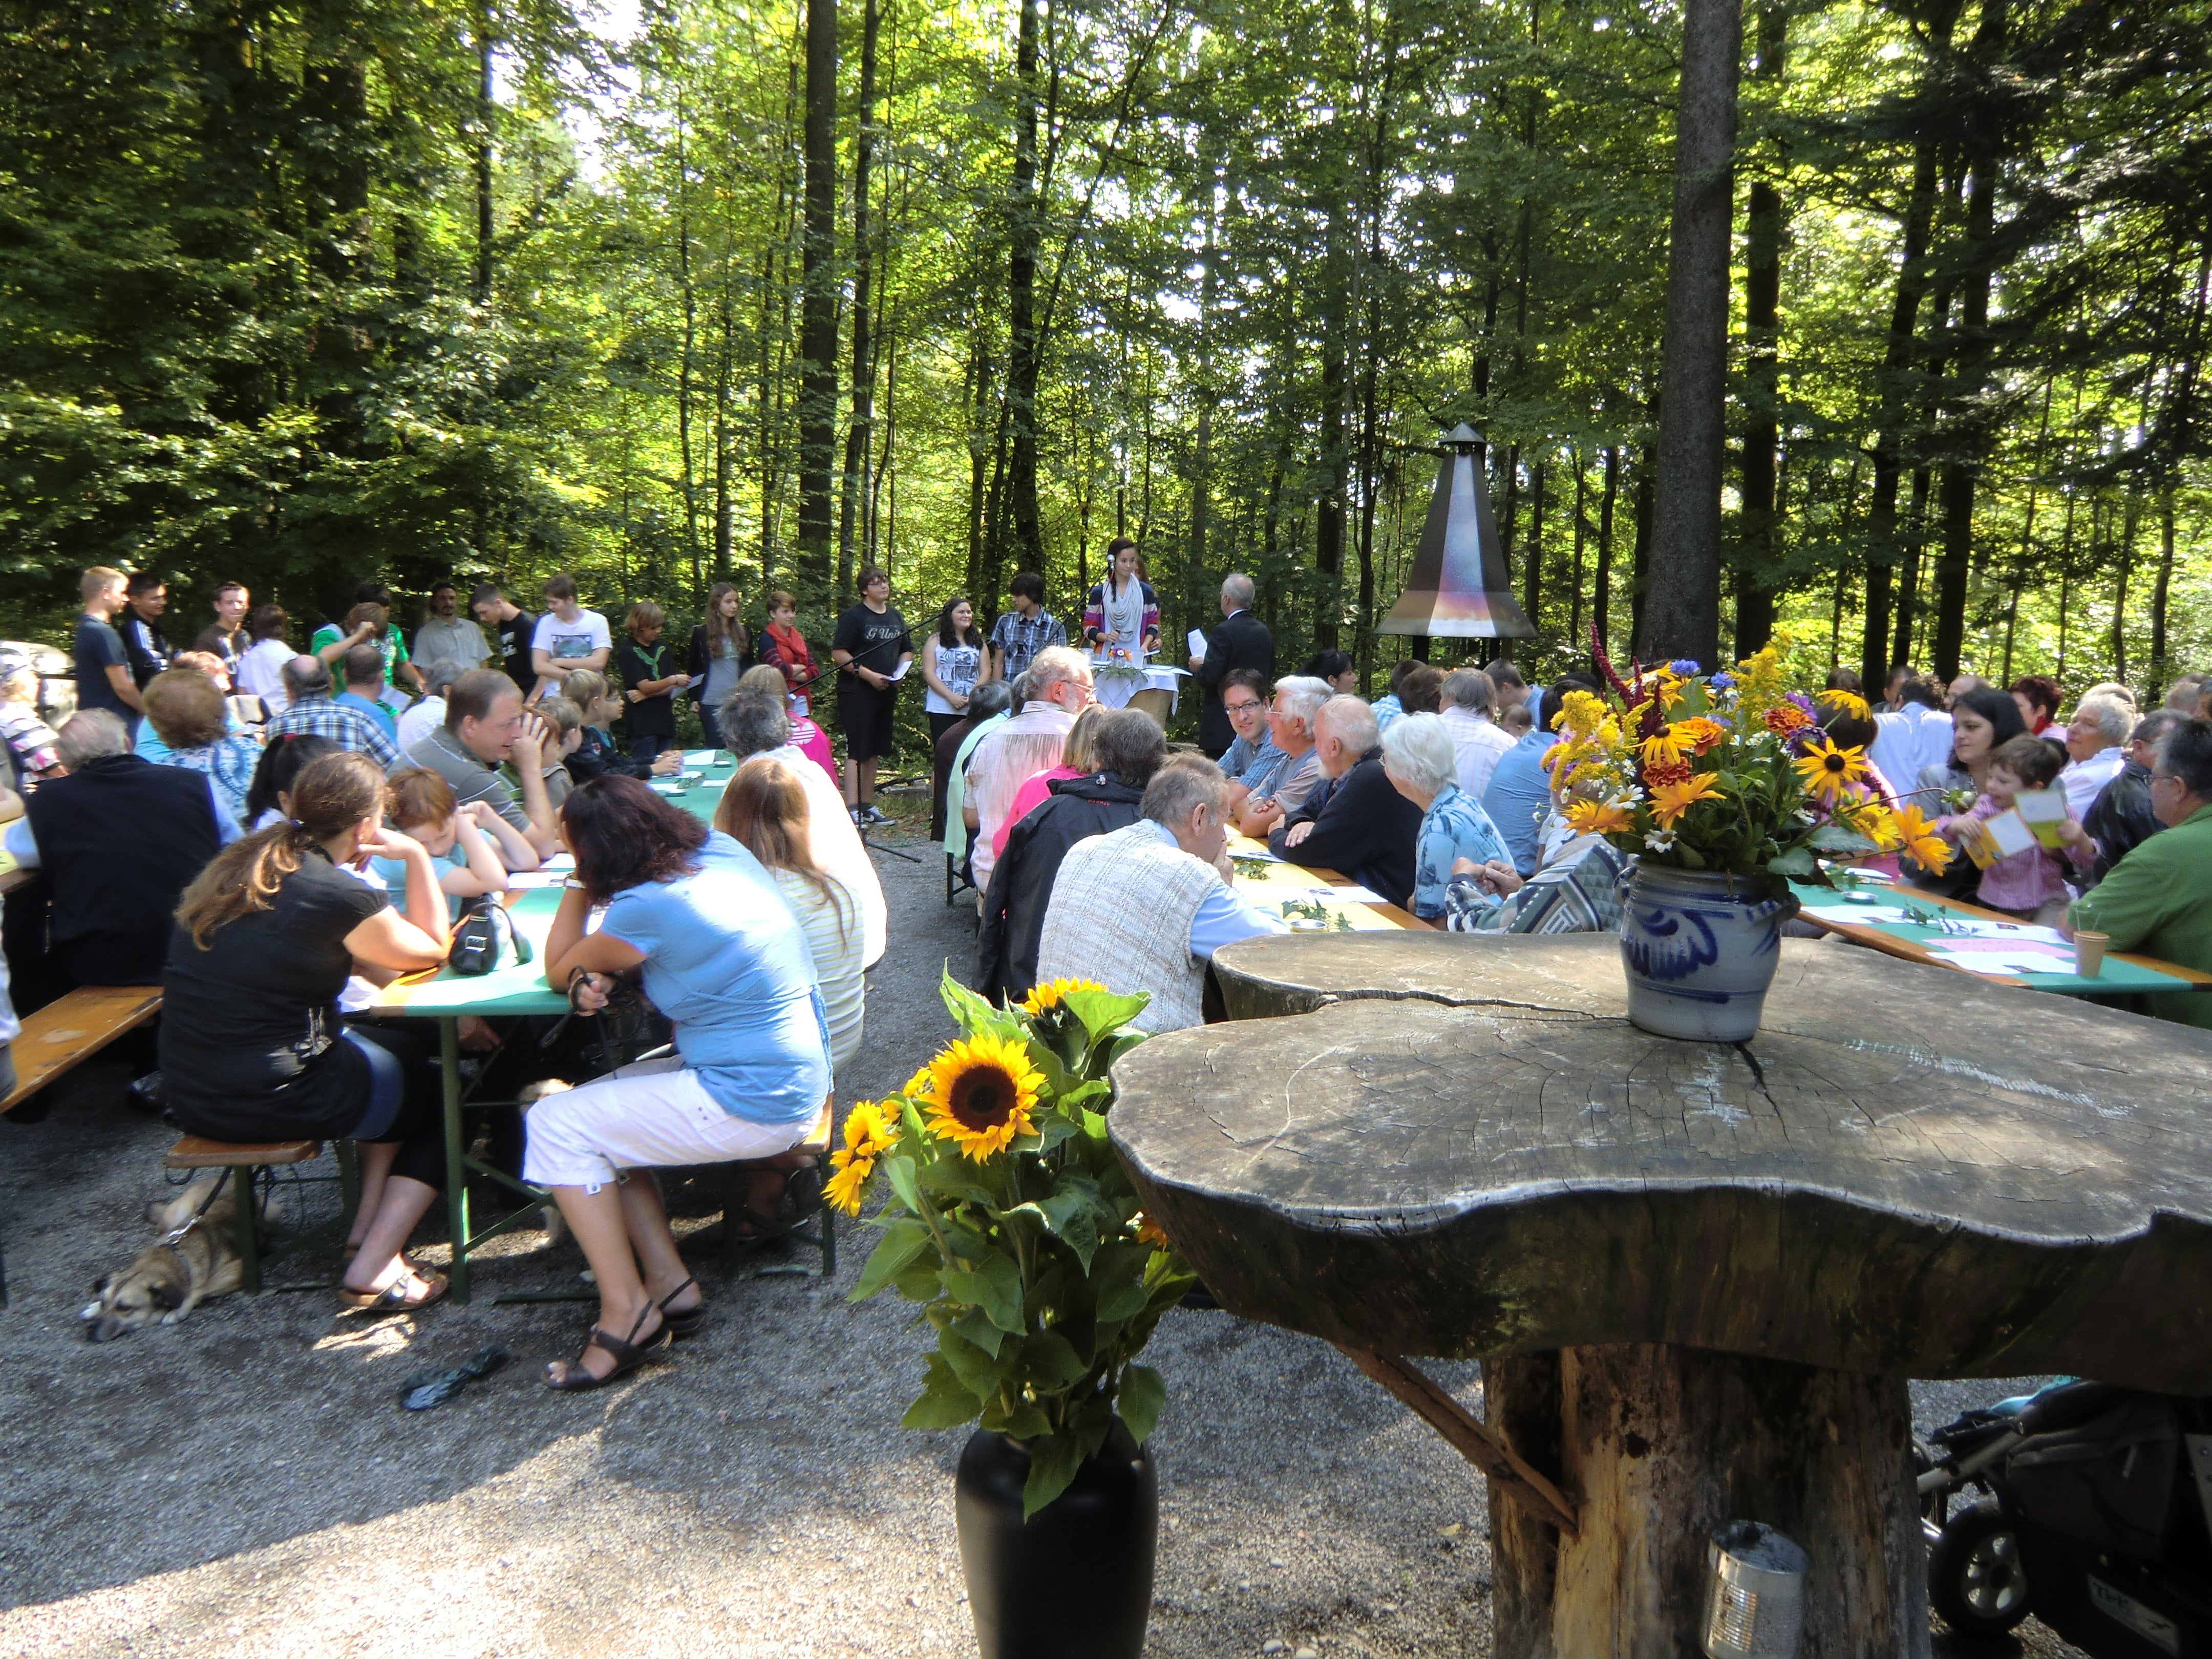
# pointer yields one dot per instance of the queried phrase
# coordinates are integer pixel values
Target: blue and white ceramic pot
(1700, 948)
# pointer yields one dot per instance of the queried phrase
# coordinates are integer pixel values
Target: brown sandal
(627, 1355)
(393, 1298)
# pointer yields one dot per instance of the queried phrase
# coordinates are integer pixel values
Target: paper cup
(2089, 954)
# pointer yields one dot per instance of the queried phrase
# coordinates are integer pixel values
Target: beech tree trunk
(817, 375)
(859, 436)
(1682, 611)
(1757, 547)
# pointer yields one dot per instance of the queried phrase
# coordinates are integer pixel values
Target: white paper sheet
(899, 673)
(700, 756)
(523, 880)
(1198, 645)
(1859, 914)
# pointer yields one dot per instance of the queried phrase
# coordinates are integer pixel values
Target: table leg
(457, 1170)
(1659, 1444)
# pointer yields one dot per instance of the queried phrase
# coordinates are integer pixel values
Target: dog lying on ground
(170, 1278)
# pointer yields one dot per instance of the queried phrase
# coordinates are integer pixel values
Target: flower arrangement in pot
(1008, 1218)
(1725, 788)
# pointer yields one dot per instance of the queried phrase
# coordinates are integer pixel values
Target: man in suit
(1241, 641)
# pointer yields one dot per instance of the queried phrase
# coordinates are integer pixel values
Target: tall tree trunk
(2159, 589)
(1532, 575)
(1580, 525)
(1201, 475)
(818, 385)
(686, 363)
(1682, 613)
(725, 504)
(483, 156)
(1601, 604)
(860, 437)
(1024, 347)
(1758, 551)
(1896, 399)
(1328, 503)
(1639, 568)
(2130, 519)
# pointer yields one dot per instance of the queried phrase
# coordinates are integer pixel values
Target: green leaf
(1797, 861)
(1143, 1393)
(995, 1286)
(903, 1242)
(1075, 1213)
(974, 1325)
(1053, 1459)
(1049, 1361)
(1834, 837)
(980, 1372)
(920, 1282)
(1024, 1422)
(944, 1401)
(901, 1170)
(1103, 1011)
(954, 1178)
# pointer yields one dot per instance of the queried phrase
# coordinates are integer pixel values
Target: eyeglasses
(1244, 708)
(2164, 777)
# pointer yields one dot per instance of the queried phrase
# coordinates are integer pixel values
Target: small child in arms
(1518, 721)
(2030, 884)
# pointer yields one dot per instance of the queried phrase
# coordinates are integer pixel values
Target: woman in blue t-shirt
(722, 955)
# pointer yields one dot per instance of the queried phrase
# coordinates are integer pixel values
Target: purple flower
(1685, 666)
(1723, 680)
(1805, 703)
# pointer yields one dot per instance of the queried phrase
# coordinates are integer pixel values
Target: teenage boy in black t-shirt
(510, 627)
(871, 650)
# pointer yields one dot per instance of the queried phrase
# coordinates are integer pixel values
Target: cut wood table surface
(1281, 873)
(1698, 1274)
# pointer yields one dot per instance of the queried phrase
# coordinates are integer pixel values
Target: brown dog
(196, 1258)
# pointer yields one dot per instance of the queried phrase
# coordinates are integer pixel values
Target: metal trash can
(1754, 1593)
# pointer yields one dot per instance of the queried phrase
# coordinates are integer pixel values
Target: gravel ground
(245, 1479)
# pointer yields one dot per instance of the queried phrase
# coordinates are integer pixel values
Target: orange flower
(1785, 718)
(1919, 841)
(1666, 773)
(1670, 801)
(1700, 733)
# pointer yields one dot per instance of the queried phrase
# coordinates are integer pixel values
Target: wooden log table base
(1697, 1275)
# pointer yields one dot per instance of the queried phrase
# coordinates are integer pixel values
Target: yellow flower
(1877, 823)
(1670, 800)
(1042, 997)
(1662, 747)
(982, 1088)
(1581, 713)
(1149, 1232)
(1598, 817)
(1828, 771)
(843, 1188)
(1917, 840)
(869, 1132)
(917, 1087)
(1849, 701)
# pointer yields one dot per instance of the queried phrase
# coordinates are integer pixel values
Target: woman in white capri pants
(726, 960)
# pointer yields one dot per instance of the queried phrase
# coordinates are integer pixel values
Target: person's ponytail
(330, 795)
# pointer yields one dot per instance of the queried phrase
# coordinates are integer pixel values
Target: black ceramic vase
(1074, 1582)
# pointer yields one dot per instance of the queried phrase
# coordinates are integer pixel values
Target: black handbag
(479, 935)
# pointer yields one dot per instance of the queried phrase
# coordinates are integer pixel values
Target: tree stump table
(1698, 1275)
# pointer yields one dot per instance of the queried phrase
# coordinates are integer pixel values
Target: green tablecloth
(2118, 978)
(513, 988)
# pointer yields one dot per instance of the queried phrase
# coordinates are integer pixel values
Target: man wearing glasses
(2158, 899)
(1055, 689)
(485, 724)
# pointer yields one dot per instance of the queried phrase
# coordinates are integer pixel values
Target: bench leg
(456, 1169)
(249, 1241)
(829, 1213)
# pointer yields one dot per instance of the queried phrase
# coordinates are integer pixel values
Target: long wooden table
(1281, 876)
(2126, 973)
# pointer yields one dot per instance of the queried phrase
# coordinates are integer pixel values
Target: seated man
(753, 724)
(1519, 798)
(2158, 899)
(2120, 819)
(1298, 698)
(119, 839)
(1145, 908)
(1365, 830)
(484, 725)
(1126, 748)
(1059, 689)
(363, 667)
(310, 711)
(1251, 759)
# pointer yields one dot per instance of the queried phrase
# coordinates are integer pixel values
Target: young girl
(596, 753)
(649, 680)
(784, 648)
(565, 722)
(953, 664)
(721, 651)
(2030, 884)
(471, 847)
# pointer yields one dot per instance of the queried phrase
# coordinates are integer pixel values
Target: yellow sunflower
(1598, 817)
(1877, 823)
(1849, 701)
(982, 1088)
(1828, 771)
(1917, 840)
(1662, 747)
(917, 1087)
(1670, 800)
(1042, 997)
(869, 1131)
(849, 1179)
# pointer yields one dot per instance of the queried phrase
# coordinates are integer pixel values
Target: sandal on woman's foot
(627, 1356)
(681, 1323)
(394, 1296)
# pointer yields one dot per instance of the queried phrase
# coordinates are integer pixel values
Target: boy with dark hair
(1025, 627)
(146, 596)
(568, 637)
(511, 629)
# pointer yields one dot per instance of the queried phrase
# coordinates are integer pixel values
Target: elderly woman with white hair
(1422, 765)
(2096, 745)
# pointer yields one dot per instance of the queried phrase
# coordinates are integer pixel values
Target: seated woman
(810, 739)
(188, 713)
(724, 960)
(1422, 765)
(252, 1046)
(283, 758)
(1576, 890)
(764, 810)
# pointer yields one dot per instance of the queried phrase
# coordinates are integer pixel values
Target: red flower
(1660, 774)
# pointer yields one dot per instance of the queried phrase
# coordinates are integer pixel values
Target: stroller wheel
(1975, 1577)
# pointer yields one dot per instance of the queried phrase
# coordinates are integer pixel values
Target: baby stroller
(2098, 1519)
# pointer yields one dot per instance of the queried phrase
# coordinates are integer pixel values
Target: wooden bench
(242, 1158)
(68, 1031)
(807, 1163)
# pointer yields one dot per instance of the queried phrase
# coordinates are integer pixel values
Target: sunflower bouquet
(1726, 772)
(1011, 1221)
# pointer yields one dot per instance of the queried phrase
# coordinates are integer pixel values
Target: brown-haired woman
(764, 809)
(721, 651)
(649, 682)
(188, 713)
(251, 1047)
(722, 958)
